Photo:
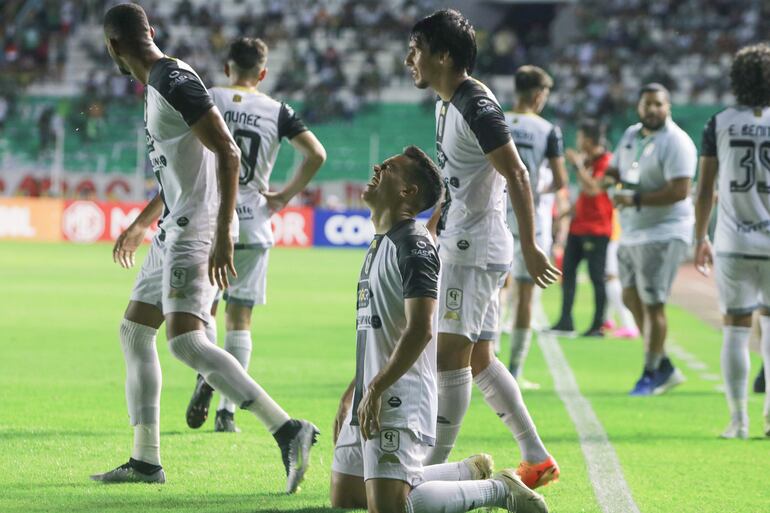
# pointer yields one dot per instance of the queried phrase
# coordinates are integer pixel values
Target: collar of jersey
(243, 88)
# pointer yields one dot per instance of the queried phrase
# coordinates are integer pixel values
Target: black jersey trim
(181, 88)
(483, 115)
(708, 145)
(554, 146)
(418, 260)
(289, 123)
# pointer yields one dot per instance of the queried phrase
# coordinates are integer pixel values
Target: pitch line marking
(604, 469)
(694, 363)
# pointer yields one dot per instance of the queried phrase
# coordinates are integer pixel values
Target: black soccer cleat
(295, 439)
(133, 472)
(198, 409)
(224, 422)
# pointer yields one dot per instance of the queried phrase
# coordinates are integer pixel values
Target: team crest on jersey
(237, 98)
(389, 440)
(178, 277)
(454, 299)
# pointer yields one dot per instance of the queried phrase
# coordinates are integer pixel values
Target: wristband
(638, 200)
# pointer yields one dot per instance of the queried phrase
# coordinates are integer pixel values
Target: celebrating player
(477, 159)
(188, 143)
(655, 161)
(538, 141)
(736, 142)
(258, 124)
(387, 417)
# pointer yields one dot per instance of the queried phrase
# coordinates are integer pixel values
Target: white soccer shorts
(393, 453)
(469, 301)
(174, 277)
(743, 284)
(249, 288)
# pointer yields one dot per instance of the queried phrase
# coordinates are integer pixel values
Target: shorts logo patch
(454, 299)
(389, 458)
(452, 316)
(178, 277)
(463, 245)
(389, 440)
(394, 402)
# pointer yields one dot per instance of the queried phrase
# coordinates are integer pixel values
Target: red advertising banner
(30, 219)
(91, 221)
(293, 227)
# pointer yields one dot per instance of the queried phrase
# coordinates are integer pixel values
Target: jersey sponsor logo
(178, 277)
(749, 227)
(463, 245)
(244, 212)
(390, 440)
(364, 322)
(454, 182)
(364, 293)
(182, 221)
(421, 253)
(394, 402)
(484, 106)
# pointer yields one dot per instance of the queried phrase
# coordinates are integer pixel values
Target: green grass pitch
(63, 413)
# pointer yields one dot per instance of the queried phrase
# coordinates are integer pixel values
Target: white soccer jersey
(739, 137)
(472, 228)
(536, 140)
(258, 123)
(400, 264)
(175, 98)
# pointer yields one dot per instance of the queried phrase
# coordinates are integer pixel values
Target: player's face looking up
(388, 186)
(653, 109)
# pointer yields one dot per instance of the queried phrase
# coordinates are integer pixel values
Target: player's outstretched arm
(342, 410)
(704, 202)
(418, 332)
(213, 133)
(507, 162)
(314, 155)
(128, 242)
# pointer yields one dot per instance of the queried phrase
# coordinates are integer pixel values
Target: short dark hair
(127, 23)
(248, 53)
(425, 175)
(530, 78)
(448, 31)
(654, 87)
(593, 129)
(750, 75)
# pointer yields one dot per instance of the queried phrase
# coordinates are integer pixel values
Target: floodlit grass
(64, 417)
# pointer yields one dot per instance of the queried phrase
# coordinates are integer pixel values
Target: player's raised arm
(505, 159)
(213, 133)
(128, 242)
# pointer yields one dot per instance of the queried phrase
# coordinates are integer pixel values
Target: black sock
(143, 466)
(286, 432)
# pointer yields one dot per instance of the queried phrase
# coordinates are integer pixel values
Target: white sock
(502, 394)
(238, 344)
(211, 331)
(455, 471)
(456, 497)
(454, 397)
(521, 338)
(735, 369)
(764, 326)
(147, 443)
(143, 376)
(615, 304)
(223, 372)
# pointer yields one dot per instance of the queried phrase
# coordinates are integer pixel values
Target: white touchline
(604, 470)
(694, 363)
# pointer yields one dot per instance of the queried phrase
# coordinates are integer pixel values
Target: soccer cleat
(198, 408)
(520, 499)
(767, 424)
(667, 377)
(735, 430)
(539, 474)
(593, 333)
(224, 422)
(480, 465)
(296, 454)
(645, 385)
(609, 325)
(759, 381)
(562, 329)
(629, 333)
(128, 473)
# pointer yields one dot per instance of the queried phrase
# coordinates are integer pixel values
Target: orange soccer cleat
(538, 474)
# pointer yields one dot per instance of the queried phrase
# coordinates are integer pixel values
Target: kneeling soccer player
(387, 417)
